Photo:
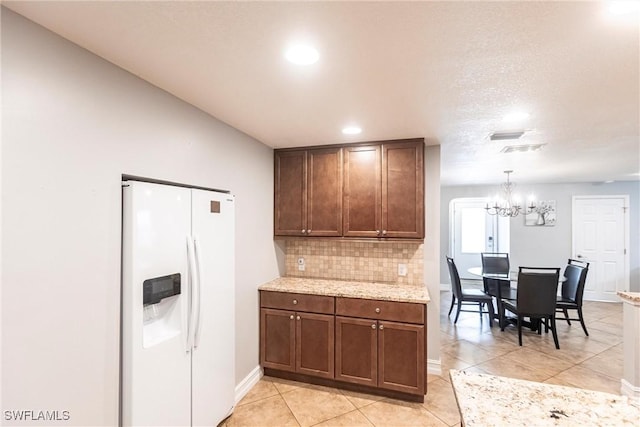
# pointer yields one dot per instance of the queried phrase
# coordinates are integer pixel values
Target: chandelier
(507, 206)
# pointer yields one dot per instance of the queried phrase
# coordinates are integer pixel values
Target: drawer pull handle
(381, 327)
(297, 317)
(373, 326)
(377, 310)
(291, 317)
(295, 301)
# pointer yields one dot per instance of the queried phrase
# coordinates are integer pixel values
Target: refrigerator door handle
(198, 296)
(192, 278)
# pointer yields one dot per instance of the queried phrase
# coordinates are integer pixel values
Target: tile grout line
(367, 418)
(333, 418)
(289, 408)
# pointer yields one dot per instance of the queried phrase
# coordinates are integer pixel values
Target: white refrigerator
(177, 349)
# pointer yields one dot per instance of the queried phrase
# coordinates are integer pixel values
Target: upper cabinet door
(290, 198)
(403, 190)
(362, 191)
(324, 192)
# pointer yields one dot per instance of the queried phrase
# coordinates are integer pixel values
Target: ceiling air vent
(522, 148)
(499, 136)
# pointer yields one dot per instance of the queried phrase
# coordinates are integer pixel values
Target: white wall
(432, 250)
(550, 246)
(72, 124)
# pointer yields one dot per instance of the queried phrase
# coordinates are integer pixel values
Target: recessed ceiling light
(609, 181)
(515, 116)
(301, 54)
(351, 130)
(623, 7)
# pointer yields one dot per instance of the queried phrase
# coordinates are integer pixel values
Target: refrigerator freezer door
(156, 371)
(213, 358)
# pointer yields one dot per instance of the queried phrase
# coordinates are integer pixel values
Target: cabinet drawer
(382, 310)
(298, 302)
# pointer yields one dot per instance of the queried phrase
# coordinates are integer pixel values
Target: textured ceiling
(446, 71)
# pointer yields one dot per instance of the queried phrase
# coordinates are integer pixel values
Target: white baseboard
(248, 382)
(434, 367)
(630, 391)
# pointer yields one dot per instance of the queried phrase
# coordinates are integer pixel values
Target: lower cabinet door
(315, 344)
(356, 351)
(401, 357)
(277, 339)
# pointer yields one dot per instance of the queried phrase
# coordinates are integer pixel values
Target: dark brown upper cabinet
(384, 190)
(364, 190)
(308, 192)
(362, 215)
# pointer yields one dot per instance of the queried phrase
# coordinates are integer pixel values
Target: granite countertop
(340, 288)
(632, 297)
(486, 400)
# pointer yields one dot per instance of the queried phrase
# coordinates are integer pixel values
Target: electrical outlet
(402, 269)
(301, 265)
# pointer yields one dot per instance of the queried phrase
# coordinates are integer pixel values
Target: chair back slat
(572, 276)
(456, 286)
(495, 263)
(575, 278)
(537, 289)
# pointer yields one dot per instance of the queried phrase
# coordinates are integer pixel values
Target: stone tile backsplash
(361, 261)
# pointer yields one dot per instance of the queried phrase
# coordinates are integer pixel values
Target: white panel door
(155, 376)
(474, 231)
(214, 356)
(599, 237)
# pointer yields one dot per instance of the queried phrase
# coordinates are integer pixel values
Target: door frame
(626, 232)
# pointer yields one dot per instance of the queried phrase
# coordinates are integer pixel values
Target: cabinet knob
(377, 310)
(381, 327)
(384, 232)
(297, 317)
(291, 317)
(308, 231)
(378, 231)
(373, 326)
(295, 301)
(304, 231)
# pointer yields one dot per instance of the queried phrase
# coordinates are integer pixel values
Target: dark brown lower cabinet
(356, 351)
(401, 359)
(277, 339)
(314, 344)
(360, 344)
(297, 342)
(382, 354)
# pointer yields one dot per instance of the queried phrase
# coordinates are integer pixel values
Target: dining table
(505, 286)
(508, 280)
(512, 276)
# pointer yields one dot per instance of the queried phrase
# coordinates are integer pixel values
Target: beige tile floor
(593, 363)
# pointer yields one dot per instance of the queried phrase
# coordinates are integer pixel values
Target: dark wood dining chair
(536, 299)
(497, 263)
(572, 291)
(467, 296)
